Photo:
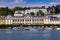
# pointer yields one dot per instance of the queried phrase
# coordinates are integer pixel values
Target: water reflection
(29, 35)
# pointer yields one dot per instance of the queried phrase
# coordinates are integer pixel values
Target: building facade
(24, 17)
(28, 19)
(35, 10)
(2, 20)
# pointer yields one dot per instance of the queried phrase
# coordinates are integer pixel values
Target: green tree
(40, 13)
(10, 12)
(17, 8)
(26, 8)
(4, 11)
(32, 13)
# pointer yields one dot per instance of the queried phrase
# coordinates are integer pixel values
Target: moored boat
(33, 29)
(15, 28)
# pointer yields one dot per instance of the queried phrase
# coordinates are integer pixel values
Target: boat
(41, 29)
(33, 29)
(15, 28)
(57, 28)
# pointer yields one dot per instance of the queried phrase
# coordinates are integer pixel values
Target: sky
(28, 3)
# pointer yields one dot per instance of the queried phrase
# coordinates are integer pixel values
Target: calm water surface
(29, 35)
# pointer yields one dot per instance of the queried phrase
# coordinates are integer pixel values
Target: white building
(57, 15)
(21, 18)
(19, 13)
(51, 20)
(35, 10)
(28, 19)
(8, 19)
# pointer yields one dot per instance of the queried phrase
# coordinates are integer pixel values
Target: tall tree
(17, 8)
(32, 14)
(57, 9)
(4, 11)
(40, 13)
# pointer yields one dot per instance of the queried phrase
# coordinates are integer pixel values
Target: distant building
(54, 9)
(25, 19)
(51, 10)
(2, 20)
(19, 13)
(35, 10)
(28, 19)
(32, 9)
(51, 20)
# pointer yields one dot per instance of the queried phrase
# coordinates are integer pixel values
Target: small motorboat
(15, 28)
(33, 29)
(57, 28)
(41, 29)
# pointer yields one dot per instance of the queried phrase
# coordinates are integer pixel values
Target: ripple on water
(29, 35)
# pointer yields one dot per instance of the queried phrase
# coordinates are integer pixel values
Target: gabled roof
(54, 18)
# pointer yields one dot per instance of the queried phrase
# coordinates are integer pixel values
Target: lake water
(29, 35)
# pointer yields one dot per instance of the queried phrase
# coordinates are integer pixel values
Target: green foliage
(17, 8)
(32, 13)
(9, 25)
(52, 14)
(40, 13)
(4, 11)
(25, 25)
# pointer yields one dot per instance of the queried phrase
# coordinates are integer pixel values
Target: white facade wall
(58, 15)
(17, 14)
(45, 21)
(9, 21)
(55, 22)
(25, 21)
(35, 10)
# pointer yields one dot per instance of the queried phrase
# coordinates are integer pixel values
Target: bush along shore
(5, 26)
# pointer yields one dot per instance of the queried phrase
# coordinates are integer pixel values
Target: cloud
(2, 6)
(33, 5)
(23, 3)
(20, 1)
(17, 1)
(52, 3)
(13, 3)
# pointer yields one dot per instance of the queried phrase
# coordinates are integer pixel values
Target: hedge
(26, 25)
